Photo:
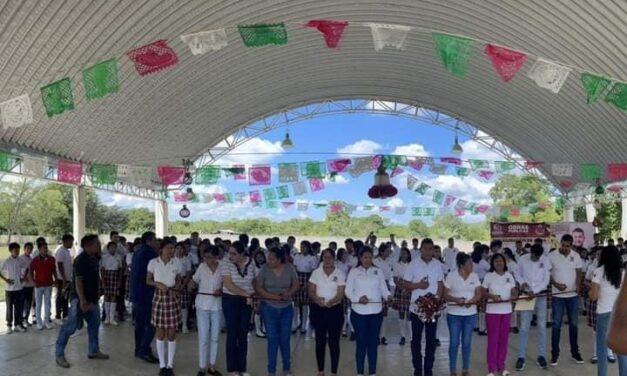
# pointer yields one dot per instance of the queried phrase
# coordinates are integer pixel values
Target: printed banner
(338, 165)
(33, 166)
(411, 182)
(288, 172)
(316, 185)
(282, 192)
(259, 175)
(300, 188)
(171, 175)
(207, 175)
(103, 174)
(519, 230)
(69, 172)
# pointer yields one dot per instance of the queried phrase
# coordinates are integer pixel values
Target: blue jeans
(571, 305)
(460, 327)
(144, 331)
(278, 324)
(367, 328)
(603, 322)
(74, 316)
(43, 299)
(525, 323)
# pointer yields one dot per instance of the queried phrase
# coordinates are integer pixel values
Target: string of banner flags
(455, 52)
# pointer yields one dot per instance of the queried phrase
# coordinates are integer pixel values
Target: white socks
(295, 319)
(383, 330)
(112, 312)
(402, 324)
(185, 314)
(161, 353)
(258, 325)
(482, 322)
(171, 352)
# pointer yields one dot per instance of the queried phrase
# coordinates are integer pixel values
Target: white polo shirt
(564, 270)
(385, 266)
(415, 253)
(501, 285)
(26, 260)
(110, 262)
(305, 263)
(352, 261)
(417, 270)
(343, 266)
(370, 283)
(63, 255)
(165, 273)
(208, 282)
(607, 292)
(462, 288)
(450, 258)
(399, 268)
(535, 274)
(186, 264)
(12, 268)
(326, 285)
(481, 268)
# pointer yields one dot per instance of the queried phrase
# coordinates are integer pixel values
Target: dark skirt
(302, 296)
(166, 310)
(111, 282)
(401, 302)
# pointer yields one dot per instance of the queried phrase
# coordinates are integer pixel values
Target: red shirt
(43, 269)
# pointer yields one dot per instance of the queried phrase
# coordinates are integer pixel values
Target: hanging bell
(382, 188)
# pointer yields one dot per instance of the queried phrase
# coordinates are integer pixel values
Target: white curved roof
(182, 111)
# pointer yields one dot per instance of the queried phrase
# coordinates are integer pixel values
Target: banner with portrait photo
(582, 232)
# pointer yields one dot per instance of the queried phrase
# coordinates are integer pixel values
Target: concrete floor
(32, 353)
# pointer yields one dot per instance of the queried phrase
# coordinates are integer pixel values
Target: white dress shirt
(64, 256)
(418, 270)
(385, 266)
(450, 258)
(110, 262)
(343, 266)
(564, 270)
(208, 282)
(305, 263)
(369, 283)
(326, 285)
(462, 288)
(165, 273)
(13, 268)
(535, 274)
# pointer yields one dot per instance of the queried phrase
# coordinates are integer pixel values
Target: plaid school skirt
(401, 302)
(111, 283)
(166, 310)
(127, 288)
(184, 299)
(302, 297)
(591, 307)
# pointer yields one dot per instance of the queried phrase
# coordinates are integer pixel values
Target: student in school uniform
(186, 272)
(12, 273)
(42, 270)
(111, 270)
(305, 262)
(208, 278)
(481, 266)
(384, 262)
(63, 257)
(164, 274)
(401, 296)
(28, 290)
(366, 289)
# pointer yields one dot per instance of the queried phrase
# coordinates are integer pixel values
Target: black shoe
(169, 372)
(483, 333)
(352, 337)
(402, 342)
(214, 373)
(577, 358)
(383, 341)
(542, 363)
(149, 358)
(515, 330)
(549, 324)
(554, 360)
(200, 373)
(163, 372)
(437, 343)
(584, 313)
(520, 364)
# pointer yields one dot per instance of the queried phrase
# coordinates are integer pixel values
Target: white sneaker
(40, 327)
(49, 325)
(185, 330)
(9, 330)
(114, 323)
(490, 374)
(20, 329)
(245, 374)
(505, 373)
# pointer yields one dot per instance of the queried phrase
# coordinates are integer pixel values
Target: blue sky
(329, 137)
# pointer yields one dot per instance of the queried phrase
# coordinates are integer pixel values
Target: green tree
(14, 199)
(140, 220)
(49, 212)
(522, 191)
(418, 228)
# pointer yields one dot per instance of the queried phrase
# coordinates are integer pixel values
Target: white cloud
(411, 150)
(339, 179)
(469, 188)
(396, 202)
(254, 151)
(474, 150)
(124, 201)
(360, 147)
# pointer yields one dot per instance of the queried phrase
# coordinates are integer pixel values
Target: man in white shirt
(533, 277)
(450, 255)
(423, 276)
(349, 244)
(565, 281)
(63, 257)
(415, 250)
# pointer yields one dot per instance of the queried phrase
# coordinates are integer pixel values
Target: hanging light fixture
(457, 148)
(599, 190)
(187, 179)
(287, 141)
(382, 188)
(184, 212)
(190, 194)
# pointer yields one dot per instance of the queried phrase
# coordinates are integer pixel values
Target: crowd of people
(280, 288)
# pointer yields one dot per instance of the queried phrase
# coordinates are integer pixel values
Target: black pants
(430, 329)
(28, 294)
(119, 300)
(61, 303)
(14, 301)
(327, 324)
(237, 316)
(144, 331)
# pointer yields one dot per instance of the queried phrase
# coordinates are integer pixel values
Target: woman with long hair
(276, 283)
(463, 289)
(238, 273)
(164, 274)
(401, 296)
(366, 289)
(606, 282)
(326, 291)
(498, 285)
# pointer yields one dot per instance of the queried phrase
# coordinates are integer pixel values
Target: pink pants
(498, 335)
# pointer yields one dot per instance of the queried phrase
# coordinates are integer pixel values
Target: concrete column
(78, 214)
(569, 213)
(161, 218)
(591, 211)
